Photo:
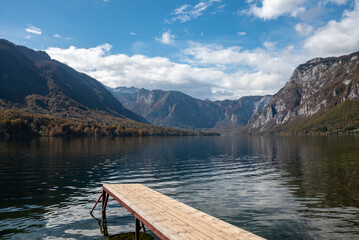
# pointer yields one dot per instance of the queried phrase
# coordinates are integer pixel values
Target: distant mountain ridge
(176, 109)
(32, 81)
(322, 95)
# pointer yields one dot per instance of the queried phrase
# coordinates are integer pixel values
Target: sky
(209, 49)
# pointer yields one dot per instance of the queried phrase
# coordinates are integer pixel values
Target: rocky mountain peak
(314, 60)
(176, 109)
(21, 50)
(314, 87)
(125, 90)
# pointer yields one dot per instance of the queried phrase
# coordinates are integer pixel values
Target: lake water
(276, 187)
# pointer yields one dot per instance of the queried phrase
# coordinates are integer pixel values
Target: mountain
(176, 109)
(41, 96)
(321, 96)
(31, 81)
(240, 111)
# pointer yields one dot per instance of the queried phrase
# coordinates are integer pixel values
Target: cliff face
(237, 113)
(176, 109)
(314, 88)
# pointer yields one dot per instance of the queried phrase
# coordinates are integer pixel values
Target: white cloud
(303, 29)
(241, 33)
(132, 33)
(34, 30)
(259, 71)
(272, 9)
(211, 71)
(62, 37)
(270, 46)
(336, 38)
(188, 12)
(268, 62)
(166, 38)
(137, 70)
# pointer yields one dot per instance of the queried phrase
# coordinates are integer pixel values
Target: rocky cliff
(176, 109)
(316, 87)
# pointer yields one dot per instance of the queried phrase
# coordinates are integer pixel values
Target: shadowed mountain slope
(30, 80)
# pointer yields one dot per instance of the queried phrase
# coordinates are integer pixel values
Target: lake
(277, 187)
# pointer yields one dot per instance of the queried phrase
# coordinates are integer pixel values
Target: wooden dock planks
(171, 219)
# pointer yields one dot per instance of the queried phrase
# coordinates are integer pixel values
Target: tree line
(18, 123)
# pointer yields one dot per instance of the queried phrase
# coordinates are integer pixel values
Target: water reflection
(121, 236)
(276, 187)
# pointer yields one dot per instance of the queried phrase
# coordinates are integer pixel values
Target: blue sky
(213, 49)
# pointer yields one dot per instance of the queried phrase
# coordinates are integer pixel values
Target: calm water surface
(276, 187)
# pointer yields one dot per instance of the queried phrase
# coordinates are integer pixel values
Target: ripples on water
(276, 187)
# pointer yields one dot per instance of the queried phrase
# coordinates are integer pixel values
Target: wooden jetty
(167, 217)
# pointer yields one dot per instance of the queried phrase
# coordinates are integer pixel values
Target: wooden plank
(171, 219)
(141, 192)
(185, 218)
(180, 218)
(175, 225)
(196, 219)
(153, 226)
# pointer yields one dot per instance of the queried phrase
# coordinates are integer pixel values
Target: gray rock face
(176, 109)
(238, 112)
(125, 90)
(314, 87)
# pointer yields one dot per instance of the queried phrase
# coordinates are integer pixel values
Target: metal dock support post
(137, 229)
(105, 196)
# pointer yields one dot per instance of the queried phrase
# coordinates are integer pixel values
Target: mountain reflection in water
(276, 187)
